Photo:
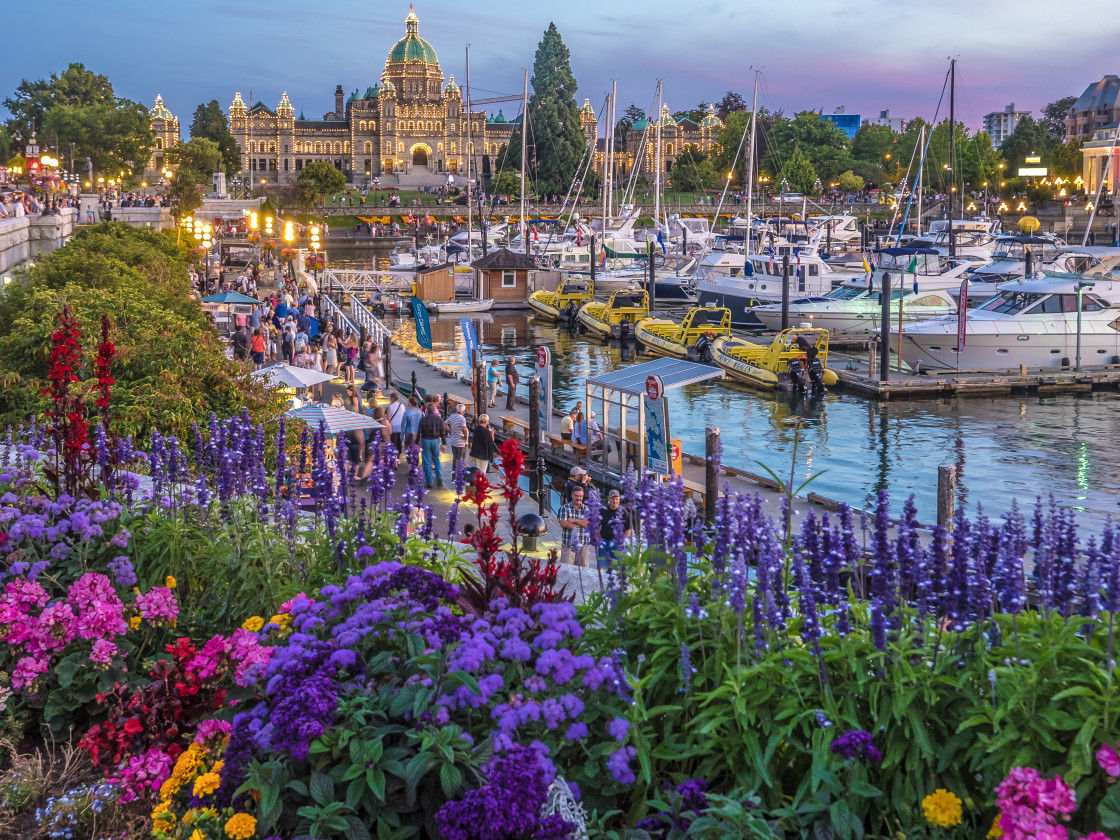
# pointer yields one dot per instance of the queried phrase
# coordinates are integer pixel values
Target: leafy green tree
(693, 176)
(7, 143)
(553, 118)
(1029, 137)
(694, 114)
(316, 181)
(691, 154)
(849, 181)
(1054, 116)
(115, 134)
(1065, 159)
(873, 143)
(727, 156)
(194, 162)
(508, 183)
(825, 145)
(171, 370)
(74, 87)
(209, 122)
(799, 172)
(730, 103)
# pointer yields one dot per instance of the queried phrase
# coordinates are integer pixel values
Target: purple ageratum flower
(618, 763)
(124, 575)
(856, 745)
(618, 728)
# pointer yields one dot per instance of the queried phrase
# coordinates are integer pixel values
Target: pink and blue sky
(867, 56)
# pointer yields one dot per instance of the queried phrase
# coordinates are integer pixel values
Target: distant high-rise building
(885, 118)
(848, 123)
(1000, 124)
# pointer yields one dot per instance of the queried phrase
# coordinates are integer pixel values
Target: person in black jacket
(483, 450)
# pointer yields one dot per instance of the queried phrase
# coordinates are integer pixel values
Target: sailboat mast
(952, 150)
(921, 173)
(749, 185)
(614, 106)
(606, 163)
(524, 148)
(470, 154)
(657, 162)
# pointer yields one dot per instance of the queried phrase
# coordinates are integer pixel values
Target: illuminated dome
(451, 88)
(412, 47)
(710, 119)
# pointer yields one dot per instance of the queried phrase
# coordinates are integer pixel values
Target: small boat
(450, 307)
(780, 366)
(691, 339)
(615, 318)
(565, 302)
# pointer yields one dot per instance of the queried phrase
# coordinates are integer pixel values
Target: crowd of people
(17, 204)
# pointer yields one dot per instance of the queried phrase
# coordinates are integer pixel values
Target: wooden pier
(970, 383)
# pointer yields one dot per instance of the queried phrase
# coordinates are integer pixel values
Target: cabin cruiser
(974, 237)
(694, 234)
(618, 240)
(1009, 258)
(922, 284)
(759, 281)
(840, 229)
(1031, 322)
(495, 232)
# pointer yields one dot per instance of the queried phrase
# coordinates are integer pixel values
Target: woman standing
(350, 346)
(330, 348)
(483, 450)
(375, 365)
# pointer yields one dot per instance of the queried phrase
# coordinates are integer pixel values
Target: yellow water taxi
(615, 318)
(565, 302)
(786, 364)
(691, 339)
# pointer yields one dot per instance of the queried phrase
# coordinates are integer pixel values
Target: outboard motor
(624, 328)
(816, 377)
(704, 349)
(796, 371)
(570, 311)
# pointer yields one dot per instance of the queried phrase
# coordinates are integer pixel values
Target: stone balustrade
(29, 236)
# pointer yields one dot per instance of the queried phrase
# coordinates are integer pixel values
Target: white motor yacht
(1031, 322)
(922, 284)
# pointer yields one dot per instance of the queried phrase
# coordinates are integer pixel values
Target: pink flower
(1056, 797)
(158, 604)
(103, 652)
(100, 611)
(142, 774)
(1097, 835)
(249, 656)
(211, 731)
(27, 670)
(211, 659)
(1109, 760)
(25, 594)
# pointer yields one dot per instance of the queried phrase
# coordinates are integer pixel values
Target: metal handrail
(336, 310)
(367, 319)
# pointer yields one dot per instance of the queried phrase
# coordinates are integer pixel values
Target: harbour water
(1004, 448)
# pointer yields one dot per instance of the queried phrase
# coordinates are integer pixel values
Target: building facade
(1096, 108)
(407, 129)
(1095, 152)
(165, 135)
(848, 123)
(639, 147)
(897, 124)
(1000, 124)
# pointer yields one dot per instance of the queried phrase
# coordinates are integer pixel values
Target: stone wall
(29, 236)
(150, 217)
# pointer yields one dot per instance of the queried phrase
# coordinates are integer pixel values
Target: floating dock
(904, 385)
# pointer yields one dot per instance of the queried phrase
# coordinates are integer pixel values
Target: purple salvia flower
(955, 603)
(930, 590)
(1091, 580)
(908, 549)
(594, 514)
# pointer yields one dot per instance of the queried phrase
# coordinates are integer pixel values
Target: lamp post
(1081, 286)
(376, 187)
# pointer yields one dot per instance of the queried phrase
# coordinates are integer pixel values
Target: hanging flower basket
(315, 263)
(254, 238)
(268, 245)
(289, 254)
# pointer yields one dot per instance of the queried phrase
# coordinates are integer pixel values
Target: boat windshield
(923, 263)
(707, 317)
(1008, 250)
(1012, 303)
(846, 293)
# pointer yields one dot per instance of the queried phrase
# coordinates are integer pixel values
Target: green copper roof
(412, 47)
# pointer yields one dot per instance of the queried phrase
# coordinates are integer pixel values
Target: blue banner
(423, 326)
(470, 340)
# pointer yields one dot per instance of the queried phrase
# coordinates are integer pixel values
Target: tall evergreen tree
(210, 123)
(556, 142)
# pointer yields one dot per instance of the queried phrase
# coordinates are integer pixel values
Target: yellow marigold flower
(206, 784)
(187, 764)
(942, 808)
(161, 826)
(134, 622)
(169, 788)
(283, 619)
(171, 583)
(217, 768)
(197, 835)
(253, 623)
(163, 811)
(996, 831)
(241, 826)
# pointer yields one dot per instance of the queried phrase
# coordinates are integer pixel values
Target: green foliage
(824, 145)
(873, 143)
(553, 119)
(1065, 159)
(849, 181)
(200, 155)
(1054, 117)
(171, 369)
(691, 154)
(729, 104)
(316, 181)
(74, 87)
(210, 123)
(1029, 137)
(508, 183)
(694, 177)
(799, 172)
(946, 710)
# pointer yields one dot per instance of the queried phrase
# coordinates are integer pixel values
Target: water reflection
(1003, 448)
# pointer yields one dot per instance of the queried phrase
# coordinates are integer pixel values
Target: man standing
(410, 423)
(460, 437)
(575, 479)
(492, 384)
(573, 542)
(614, 528)
(432, 436)
(396, 412)
(240, 345)
(511, 383)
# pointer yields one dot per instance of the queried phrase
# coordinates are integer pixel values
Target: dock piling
(885, 328)
(711, 473)
(541, 492)
(535, 417)
(785, 292)
(946, 495)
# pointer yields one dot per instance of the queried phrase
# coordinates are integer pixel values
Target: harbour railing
(364, 318)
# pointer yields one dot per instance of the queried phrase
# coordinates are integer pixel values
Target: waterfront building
(897, 124)
(1000, 124)
(165, 135)
(639, 147)
(1096, 108)
(1094, 153)
(848, 123)
(407, 129)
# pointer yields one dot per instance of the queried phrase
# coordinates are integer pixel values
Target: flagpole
(524, 141)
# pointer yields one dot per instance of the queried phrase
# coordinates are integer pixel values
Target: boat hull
(602, 328)
(453, 307)
(1004, 351)
(660, 345)
(741, 305)
(743, 370)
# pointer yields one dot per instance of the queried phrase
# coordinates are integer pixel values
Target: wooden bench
(696, 489)
(456, 399)
(577, 448)
(511, 423)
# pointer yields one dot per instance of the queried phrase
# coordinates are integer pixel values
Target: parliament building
(409, 129)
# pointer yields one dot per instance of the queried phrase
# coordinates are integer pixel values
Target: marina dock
(904, 385)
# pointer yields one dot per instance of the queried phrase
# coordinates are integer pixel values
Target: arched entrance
(420, 154)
